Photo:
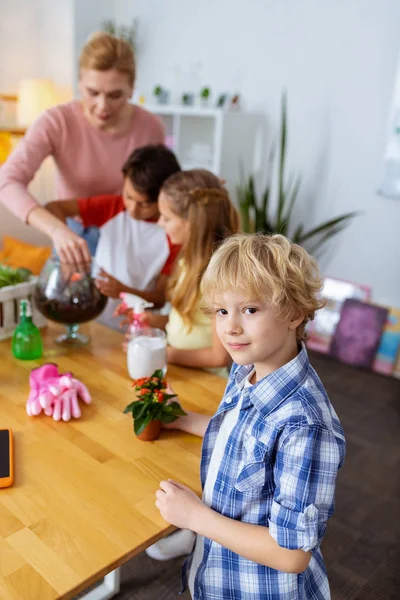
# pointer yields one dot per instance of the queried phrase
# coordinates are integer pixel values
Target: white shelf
(188, 165)
(188, 111)
(213, 139)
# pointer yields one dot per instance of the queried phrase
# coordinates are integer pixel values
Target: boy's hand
(108, 285)
(179, 505)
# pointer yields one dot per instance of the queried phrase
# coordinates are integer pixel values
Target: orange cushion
(20, 254)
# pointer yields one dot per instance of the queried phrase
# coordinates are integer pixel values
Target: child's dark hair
(148, 167)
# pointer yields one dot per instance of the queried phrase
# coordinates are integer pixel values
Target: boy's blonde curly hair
(269, 268)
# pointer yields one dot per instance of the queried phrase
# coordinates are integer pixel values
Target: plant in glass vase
(152, 407)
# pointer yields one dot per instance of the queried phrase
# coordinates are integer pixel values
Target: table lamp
(34, 97)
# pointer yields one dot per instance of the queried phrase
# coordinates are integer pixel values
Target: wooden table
(83, 500)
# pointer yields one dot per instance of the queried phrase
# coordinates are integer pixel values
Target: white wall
(36, 40)
(87, 18)
(337, 61)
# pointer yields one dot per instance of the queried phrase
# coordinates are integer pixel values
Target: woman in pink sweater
(89, 141)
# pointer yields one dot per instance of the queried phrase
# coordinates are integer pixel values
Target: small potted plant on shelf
(187, 99)
(152, 407)
(205, 96)
(162, 95)
(221, 102)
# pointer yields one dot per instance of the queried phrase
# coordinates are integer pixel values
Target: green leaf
(176, 409)
(169, 396)
(129, 408)
(139, 408)
(328, 225)
(296, 237)
(255, 216)
(140, 424)
(329, 234)
(282, 160)
(158, 374)
(11, 276)
(168, 418)
(295, 186)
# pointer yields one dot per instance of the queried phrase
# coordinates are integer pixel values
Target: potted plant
(187, 99)
(257, 214)
(152, 407)
(222, 100)
(205, 96)
(162, 95)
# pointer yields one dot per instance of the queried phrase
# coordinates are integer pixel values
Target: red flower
(143, 392)
(140, 382)
(159, 395)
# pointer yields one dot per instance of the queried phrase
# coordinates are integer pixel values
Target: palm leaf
(294, 190)
(328, 225)
(256, 215)
(328, 235)
(282, 159)
(296, 237)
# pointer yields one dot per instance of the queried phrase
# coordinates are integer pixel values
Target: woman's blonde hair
(197, 196)
(269, 268)
(104, 51)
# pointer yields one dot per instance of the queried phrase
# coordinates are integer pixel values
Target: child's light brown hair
(104, 51)
(199, 197)
(270, 268)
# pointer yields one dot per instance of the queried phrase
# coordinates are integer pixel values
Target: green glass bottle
(26, 342)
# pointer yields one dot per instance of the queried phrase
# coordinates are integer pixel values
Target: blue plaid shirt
(279, 470)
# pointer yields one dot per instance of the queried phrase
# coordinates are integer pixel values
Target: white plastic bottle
(147, 346)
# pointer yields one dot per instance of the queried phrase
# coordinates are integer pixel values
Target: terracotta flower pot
(151, 432)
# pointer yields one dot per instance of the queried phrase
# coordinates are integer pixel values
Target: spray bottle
(138, 305)
(26, 341)
(147, 346)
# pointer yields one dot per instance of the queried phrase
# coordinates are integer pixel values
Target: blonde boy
(272, 450)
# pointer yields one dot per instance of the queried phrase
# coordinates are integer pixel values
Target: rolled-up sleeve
(20, 168)
(305, 470)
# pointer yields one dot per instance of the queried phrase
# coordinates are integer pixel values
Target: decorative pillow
(20, 254)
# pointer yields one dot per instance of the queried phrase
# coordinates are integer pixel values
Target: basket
(10, 297)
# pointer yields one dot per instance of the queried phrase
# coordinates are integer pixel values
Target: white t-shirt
(134, 252)
(230, 419)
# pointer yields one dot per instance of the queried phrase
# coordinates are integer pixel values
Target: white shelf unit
(214, 139)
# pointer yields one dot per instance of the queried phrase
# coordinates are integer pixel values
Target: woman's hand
(179, 505)
(70, 247)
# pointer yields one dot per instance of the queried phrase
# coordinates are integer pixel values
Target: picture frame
(334, 292)
(358, 333)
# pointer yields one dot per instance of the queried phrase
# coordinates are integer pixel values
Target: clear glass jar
(69, 296)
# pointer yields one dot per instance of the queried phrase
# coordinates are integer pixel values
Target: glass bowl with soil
(68, 295)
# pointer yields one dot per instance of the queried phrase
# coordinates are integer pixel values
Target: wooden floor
(362, 544)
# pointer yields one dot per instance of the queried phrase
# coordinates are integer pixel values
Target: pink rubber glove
(37, 378)
(60, 397)
(57, 395)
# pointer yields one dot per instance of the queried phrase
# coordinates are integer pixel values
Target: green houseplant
(205, 95)
(11, 276)
(152, 407)
(257, 214)
(125, 32)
